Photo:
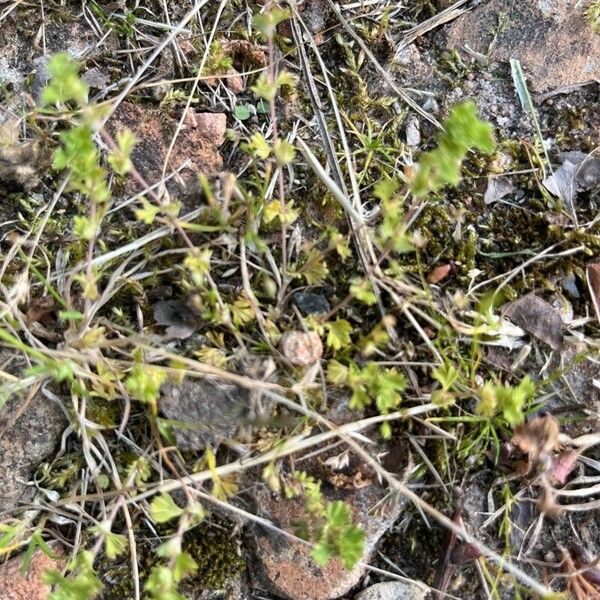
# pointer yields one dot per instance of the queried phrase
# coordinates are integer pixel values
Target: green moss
(212, 546)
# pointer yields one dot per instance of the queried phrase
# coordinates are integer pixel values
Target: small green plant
(330, 524)
(371, 384)
(78, 153)
(509, 401)
(441, 167)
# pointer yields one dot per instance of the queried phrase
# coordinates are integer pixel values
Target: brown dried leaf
(438, 273)
(538, 436)
(181, 321)
(538, 318)
(593, 281)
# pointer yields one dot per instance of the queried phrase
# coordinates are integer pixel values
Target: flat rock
(552, 39)
(203, 412)
(30, 430)
(393, 590)
(195, 151)
(16, 586)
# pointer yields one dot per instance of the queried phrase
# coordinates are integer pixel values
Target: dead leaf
(593, 281)
(578, 171)
(42, 310)
(438, 273)
(178, 316)
(497, 188)
(538, 318)
(537, 437)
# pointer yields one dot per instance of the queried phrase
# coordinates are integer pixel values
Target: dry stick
(445, 16)
(291, 446)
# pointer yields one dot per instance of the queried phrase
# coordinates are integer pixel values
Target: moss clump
(211, 545)
(216, 551)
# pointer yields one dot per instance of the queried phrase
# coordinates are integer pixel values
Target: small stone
(300, 348)
(556, 45)
(16, 586)
(96, 78)
(393, 590)
(310, 303)
(438, 273)
(213, 126)
(203, 412)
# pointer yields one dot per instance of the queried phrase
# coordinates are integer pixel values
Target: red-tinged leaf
(563, 465)
(465, 553)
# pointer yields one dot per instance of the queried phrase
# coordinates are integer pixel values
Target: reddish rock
(287, 565)
(16, 586)
(235, 82)
(197, 145)
(551, 38)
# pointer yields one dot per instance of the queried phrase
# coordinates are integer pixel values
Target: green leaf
(362, 290)
(284, 152)
(338, 334)
(266, 23)
(120, 158)
(81, 582)
(184, 566)
(70, 315)
(114, 545)
(65, 84)
(447, 375)
(163, 509)
(337, 373)
(147, 213)
(171, 548)
(441, 166)
(242, 112)
(321, 554)
(144, 381)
